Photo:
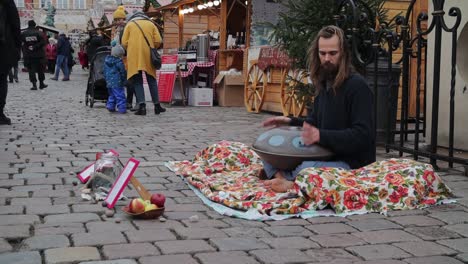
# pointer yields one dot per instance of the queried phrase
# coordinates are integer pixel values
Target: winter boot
(42, 85)
(158, 109)
(141, 110)
(4, 120)
(34, 87)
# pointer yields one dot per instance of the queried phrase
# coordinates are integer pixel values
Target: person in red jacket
(83, 57)
(51, 55)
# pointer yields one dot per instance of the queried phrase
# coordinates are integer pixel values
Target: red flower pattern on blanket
(228, 172)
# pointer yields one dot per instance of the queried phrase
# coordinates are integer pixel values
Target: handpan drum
(282, 147)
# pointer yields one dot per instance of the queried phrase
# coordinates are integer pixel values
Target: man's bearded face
(329, 54)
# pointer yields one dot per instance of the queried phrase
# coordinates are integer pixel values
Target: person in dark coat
(34, 54)
(342, 119)
(10, 45)
(63, 54)
(95, 41)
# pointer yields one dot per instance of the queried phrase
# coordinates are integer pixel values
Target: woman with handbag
(140, 36)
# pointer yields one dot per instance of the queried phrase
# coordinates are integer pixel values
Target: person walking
(51, 55)
(138, 34)
(63, 53)
(10, 45)
(83, 57)
(115, 75)
(34, 54)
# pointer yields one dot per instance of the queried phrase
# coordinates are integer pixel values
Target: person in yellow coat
(138, 27)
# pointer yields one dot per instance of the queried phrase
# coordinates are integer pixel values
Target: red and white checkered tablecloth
(191, 66)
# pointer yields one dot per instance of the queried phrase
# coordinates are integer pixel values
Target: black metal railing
(366, 38)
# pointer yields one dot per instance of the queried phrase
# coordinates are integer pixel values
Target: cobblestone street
(43, 218)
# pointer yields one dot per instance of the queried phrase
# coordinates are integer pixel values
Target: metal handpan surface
(282, 147)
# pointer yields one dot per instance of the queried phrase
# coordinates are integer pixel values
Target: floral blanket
(227, 173)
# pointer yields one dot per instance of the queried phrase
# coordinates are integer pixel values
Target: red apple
(158, 199)
(137, 206)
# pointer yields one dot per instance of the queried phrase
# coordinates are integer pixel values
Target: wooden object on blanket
(282, 147)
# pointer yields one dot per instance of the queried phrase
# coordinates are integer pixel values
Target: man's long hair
(344, 65)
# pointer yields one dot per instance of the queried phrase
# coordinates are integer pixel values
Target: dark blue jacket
(114, 72)
(63, 46)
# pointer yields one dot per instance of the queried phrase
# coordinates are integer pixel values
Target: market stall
(210, 38)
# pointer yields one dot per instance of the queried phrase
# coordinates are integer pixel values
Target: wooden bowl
(151, 214)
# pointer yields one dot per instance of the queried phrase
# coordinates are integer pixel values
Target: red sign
(166, 77)
(273, 57)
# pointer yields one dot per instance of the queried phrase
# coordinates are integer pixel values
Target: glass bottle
(106, 170)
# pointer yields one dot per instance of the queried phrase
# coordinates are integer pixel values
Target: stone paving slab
(183, 258)
(235, 244)
(184, 246)
(134, 250)
(433, 260)
(432, 233)
(281, 256)
(425, 248)
(32, 257)
(98, 238)
(329, 255)
(233, 257)
(71, 254)
(386, 236)
(115, 261)
(150, 235)
(41, 242)
(46, 147)
(374, 252)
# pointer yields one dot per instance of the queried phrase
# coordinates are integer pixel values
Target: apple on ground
(137, 206)
(158, 199)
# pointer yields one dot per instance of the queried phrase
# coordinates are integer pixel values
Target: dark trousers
(13, 73)
(3, 90)
(51, 66)
(35, 65)
(130, 93)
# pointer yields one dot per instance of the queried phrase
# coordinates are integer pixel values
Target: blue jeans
(62, 63)
(137, 81)
(291, 175)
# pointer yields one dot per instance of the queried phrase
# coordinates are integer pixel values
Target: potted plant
(300, 22)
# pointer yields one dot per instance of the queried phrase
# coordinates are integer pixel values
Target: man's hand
(310, 134)
(276, 121)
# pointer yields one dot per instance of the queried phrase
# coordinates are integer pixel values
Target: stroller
(97, 87)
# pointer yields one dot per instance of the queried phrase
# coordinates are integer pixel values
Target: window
(79, 4)
(19, 3)
(62, 4)
(45, 3)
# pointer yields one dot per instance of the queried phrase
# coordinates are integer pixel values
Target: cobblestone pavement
(44, 220)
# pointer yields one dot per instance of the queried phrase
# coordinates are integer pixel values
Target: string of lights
(201, 5)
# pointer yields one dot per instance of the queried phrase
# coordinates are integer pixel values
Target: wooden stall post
(181, 27)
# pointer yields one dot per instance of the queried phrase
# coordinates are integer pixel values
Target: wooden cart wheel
(290, 103)
(255, 86)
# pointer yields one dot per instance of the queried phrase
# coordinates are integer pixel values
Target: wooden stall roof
(44, 27)
(175, 4)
